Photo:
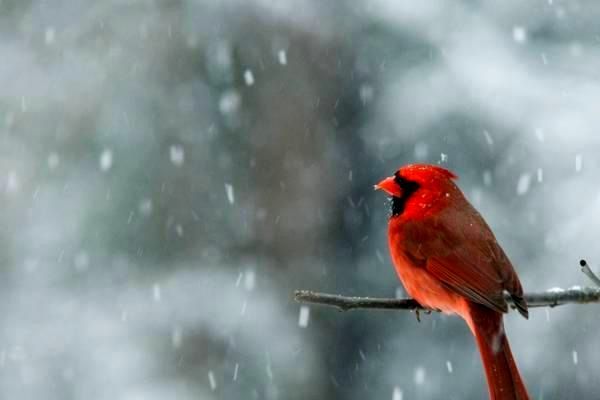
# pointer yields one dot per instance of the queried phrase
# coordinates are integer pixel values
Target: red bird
(448, 259)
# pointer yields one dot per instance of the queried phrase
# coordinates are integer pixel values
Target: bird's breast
(419, 283)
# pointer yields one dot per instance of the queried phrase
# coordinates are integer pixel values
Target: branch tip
(585, 268)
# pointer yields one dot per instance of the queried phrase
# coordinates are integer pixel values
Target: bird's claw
(418, 313)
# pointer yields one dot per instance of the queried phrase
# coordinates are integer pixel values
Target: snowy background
(171, 171)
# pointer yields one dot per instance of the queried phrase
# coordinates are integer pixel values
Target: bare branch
(550, 298)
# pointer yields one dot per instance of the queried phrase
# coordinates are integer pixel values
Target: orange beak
(389, 186)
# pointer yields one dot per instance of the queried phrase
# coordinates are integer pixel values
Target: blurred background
(171, 171)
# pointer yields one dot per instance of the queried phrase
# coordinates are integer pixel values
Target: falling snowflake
(53, 160)
(397, 393)
(177, 155)
(488, 138)
(304, 316)
(235, 371)
(229, 193)
(49, 35)
(156, 292)
(487, 178)
(106, 160)
(12, 182)
(249, 77)
(229, 102)
(176, 337)
(81, 261)
(366, 93)
(519, 34)
(145, 207)
(282, 57)
(211, 380)
(578, 162)
(249, 280)
(419, 375)
(421, 150)
(523, 184)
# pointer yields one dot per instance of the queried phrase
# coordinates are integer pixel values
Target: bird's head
(431, 180)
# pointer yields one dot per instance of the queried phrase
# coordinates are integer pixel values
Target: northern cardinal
(448, 259)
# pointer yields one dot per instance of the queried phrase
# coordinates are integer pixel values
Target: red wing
(459, 249)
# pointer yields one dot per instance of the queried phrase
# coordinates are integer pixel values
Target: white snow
(419, 375)
(249, 280)
(176, 337)
(81, 261)
(362, 355)
(282, 57)
(519, 34)
(53, 160)
(487, 177)
(400, 293)
(578, 162)
(397, 393)
(539, 134)
(540, 175)
(575, 358)
(177, 155)
(106, 160)
(145, 207)
(229, 192)
(366, 93)
(379, 256)
(211, 380)
(229, 102)
(156, 292)
(235, 371)
(488, 138)
(249, 77)
(555, 290)
(179, 230)
(523, 184)
(421, 150)
(12, 182)
(449, 366)
(304, 316)
(49, 35)
(269, 369)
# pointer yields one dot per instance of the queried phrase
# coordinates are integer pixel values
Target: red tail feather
(504, 380)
